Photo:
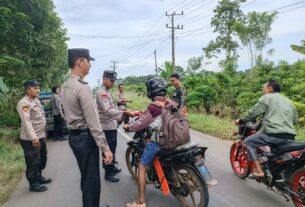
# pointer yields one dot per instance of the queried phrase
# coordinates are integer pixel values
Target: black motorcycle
(183, 170)
(283, 165)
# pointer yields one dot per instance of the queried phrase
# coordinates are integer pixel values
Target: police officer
(32, 136)
(86, 134)
(109, 115)
(58, 115)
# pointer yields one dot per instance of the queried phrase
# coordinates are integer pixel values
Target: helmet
(156, 86)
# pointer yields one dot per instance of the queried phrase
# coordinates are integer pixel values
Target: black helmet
(156, 86)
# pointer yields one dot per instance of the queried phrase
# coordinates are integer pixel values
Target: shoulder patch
(82, 81)
(25, 109)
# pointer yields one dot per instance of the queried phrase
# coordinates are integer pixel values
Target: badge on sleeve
(25, 109)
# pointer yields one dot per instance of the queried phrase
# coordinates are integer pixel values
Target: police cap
(31, 83)
(110, 74)
(79, 53)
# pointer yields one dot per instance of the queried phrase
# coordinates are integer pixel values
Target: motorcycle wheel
(132, 157)
(195, 191)
(240, 165)
(297, 182)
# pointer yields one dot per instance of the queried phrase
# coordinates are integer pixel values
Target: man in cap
(109, 115)
(58, 114)
(86, 133)
(32, 136)
(122, 102)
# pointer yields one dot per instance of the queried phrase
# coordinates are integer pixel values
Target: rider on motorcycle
(279, 116)
(156, 91)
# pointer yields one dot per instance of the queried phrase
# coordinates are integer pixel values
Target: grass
(212, 125)
(11, 167)
(138, 102)
(208, 124)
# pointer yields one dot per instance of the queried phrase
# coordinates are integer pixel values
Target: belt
(79, 131)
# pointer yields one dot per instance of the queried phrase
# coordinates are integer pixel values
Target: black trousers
(35, 159)
(58, 127)
(86, 152)
(111, 136)
(260, 139)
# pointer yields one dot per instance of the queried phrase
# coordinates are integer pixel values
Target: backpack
(175, 130)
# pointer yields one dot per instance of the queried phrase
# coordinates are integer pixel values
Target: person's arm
(24, 114)
(257, 110)
(295, 115)
(103, 102)
(144, 121)
(58, 105)
(91, 116)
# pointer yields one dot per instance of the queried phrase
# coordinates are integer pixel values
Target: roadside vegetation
(222, 127)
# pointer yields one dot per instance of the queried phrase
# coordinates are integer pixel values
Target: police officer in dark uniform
(86, 133)
(109, 116)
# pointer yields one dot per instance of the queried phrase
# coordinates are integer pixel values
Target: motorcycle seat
(290, 147)
(165, 152)
(186, 146)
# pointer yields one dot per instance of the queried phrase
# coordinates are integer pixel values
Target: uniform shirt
(80, 109)
(56, 104)
(33, 120)
(179, 96)
(279, 114)
(108, 113)
(121, 100)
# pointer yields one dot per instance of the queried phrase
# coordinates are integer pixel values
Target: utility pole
(98, 82)
(172, 16)
(156, 66)
(114, 65)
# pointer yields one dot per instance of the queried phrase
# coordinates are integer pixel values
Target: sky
(128, 32)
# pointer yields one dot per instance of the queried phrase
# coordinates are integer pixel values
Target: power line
(283, 7)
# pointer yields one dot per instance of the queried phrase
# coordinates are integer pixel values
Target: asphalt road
(64, 191)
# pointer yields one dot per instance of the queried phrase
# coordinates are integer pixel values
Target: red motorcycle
(283, 165)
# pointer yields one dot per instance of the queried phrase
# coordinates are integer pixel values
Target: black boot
(43, 180)
(112, 177)
(37, 187)
(116, 168)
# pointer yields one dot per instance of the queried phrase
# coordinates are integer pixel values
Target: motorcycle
(283, 165)
(180, 172)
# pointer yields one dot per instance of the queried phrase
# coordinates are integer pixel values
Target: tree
(166, 70)
(299, 48)
(227, 13)
(253, 32)
(194, 64)
(32, 33)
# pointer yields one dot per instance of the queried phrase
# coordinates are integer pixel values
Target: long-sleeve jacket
(279, 114)
(56, 104)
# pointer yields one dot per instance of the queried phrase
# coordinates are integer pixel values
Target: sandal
(135, 204)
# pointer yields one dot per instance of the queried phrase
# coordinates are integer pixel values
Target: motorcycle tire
(241, 166)
(132, 158)
(297, 183)
(192, 180)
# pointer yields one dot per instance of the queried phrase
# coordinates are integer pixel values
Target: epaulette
(82, 81)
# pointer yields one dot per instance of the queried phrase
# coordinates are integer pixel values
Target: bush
(9, 133)
(301, 110)
(8, 118)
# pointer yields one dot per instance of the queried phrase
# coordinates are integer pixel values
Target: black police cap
(110, 74)
(31, 83)
(79, 53)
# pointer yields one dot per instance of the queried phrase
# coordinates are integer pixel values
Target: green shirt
(279, 114)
